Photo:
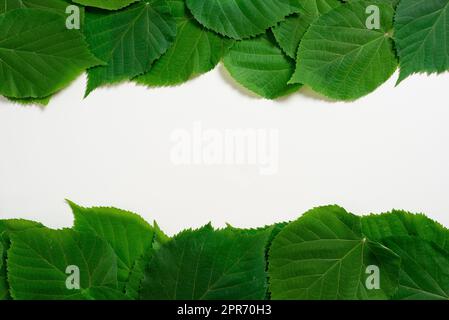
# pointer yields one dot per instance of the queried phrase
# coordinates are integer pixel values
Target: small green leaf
(341, 58)
(129, 40)
(421, 35)
(241, 19)
(196, 51)
(128, 234)
(208, 265)
(401, 223)
(38, 260)
(290, 32)
(424, 270)
(38, 54)
(324, 255)
(260, 66)
(7, 227)
(106, 4)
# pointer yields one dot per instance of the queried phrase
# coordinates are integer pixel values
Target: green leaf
(421, 34)
(38, 261)
(260, 66)
(208, 265)
(129, 40)
(103, 293)
(7, 227)
(401, 223)
(324, 255)
(31, 101)
(196, 51)
(56, 6)
(290, 32)
(424, 271)
(343, 59)
(106, 4)
(38, 54)
(241, 19)
(128, 234)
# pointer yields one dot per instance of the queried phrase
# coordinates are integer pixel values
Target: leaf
(421, 35)
(324, 255)
(7, 227)
(342, 59)
(127, 233)
(103, 293)
(290, 32)
(106, 4)
(38, 260)
(38, 54)
(241, 19)
(195, 51)
(261, 67)
(401, 223)
(55, 6)
(31, 101)
(424, 270)
(129, 40)
(208, 265)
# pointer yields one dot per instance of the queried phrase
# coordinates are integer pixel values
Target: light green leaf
(421, 35)
(196, 51)
(290, 32)
(424, 271)
(401, 223)
(260, 66)
(106, 4)
(38, 261)
(208, 265)
(343, 59)
(324, 255)
(38, 54)
(6, 228)
(241, 19)
(129, 40)
(128, 234)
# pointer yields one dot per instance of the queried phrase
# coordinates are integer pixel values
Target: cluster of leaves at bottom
(342, 49)
(327, 253)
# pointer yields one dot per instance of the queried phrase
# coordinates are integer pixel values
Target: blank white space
(388, 150)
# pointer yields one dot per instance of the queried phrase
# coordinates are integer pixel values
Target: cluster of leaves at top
(325, 254)
(271, 47)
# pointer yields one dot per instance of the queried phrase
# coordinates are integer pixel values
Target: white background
(387, 150)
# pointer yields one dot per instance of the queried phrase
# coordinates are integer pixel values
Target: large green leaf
(106, 4)
(128, 234)
(38, 54)
(208, 265)
(240, 19)
(401, 223)
(290, 32)
(6, 228)
(260, 66)
(343, 59)
(421, 34)
(324, 255)
(129, 40)
(38, 261)
(424, 271)
(196, 50)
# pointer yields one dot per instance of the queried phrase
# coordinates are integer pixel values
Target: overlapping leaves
(270, 47)
(328, 253)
